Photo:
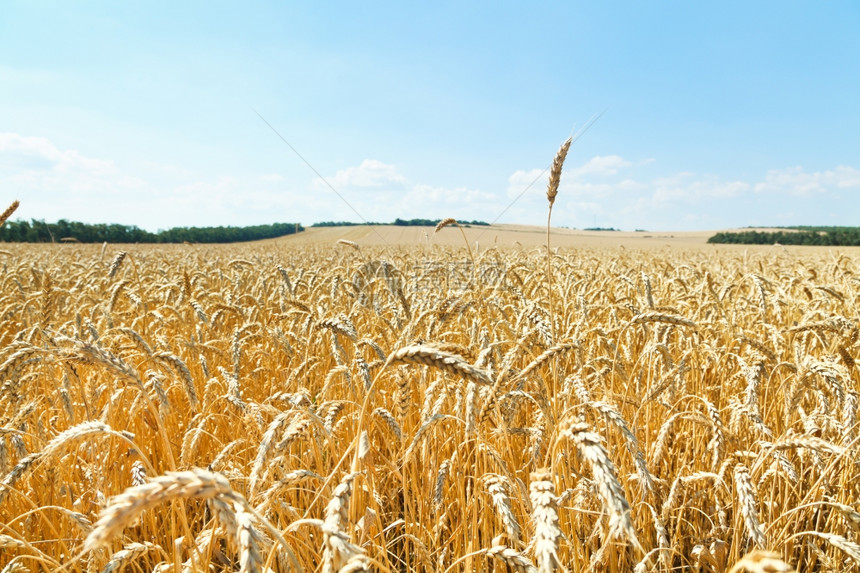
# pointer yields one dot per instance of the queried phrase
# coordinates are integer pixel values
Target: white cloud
(60, 183)
(236, 201)
(371, 173)
(447, 196)
(54, 183)
(588, 190)
(612, 191)
(222, 189)
(380, 193)
(601, 165)
(589, 207)
(571, 179)
(690, 187)
(520, 180)
(796, 181)
(38, 153)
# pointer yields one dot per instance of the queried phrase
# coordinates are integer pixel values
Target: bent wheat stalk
(125, 508)
(430, 356)
(591, 448)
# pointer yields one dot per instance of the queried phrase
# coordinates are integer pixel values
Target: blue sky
(715, 115)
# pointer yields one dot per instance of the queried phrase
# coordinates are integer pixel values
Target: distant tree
(821, 236)
(39, 231)
(397, 222)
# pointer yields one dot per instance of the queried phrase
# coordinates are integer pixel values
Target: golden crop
(349, 408)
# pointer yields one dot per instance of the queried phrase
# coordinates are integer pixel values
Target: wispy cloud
(521, 180)
(60, 183)
(691, 187)
(610, 190)
(379, 192)
(236, 201)
(578, 176)
(428, 195)
(39, 154)
(796, 181)
(371, 173)
(601, 165)
(54, 183)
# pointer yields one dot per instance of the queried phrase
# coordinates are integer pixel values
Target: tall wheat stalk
(551, 193)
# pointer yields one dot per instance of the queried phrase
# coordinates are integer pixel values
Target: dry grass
(278, 406)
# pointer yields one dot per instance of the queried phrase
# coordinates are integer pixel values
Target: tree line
(397, 222)
(36, 231)
(815, 236)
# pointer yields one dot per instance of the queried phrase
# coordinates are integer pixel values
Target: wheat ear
(265, 449)
(8, 212)
(339, 550)
(516, 561)
(126, 507)
(545, 520)
(748, 505)
(115, 264)
(555, 171)
(73, 434)
(758, 561)
(498, 487)
(656, 316)
(349, 243)
(444, 223)
(430, 356)
(591, 448)
(850, 548)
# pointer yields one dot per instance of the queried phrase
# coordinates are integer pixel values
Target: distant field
(500, 235)
(525, 236)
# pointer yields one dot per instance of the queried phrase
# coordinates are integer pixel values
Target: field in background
(500, 235)
(405, 404)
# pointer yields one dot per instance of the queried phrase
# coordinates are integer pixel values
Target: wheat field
(346, 407)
